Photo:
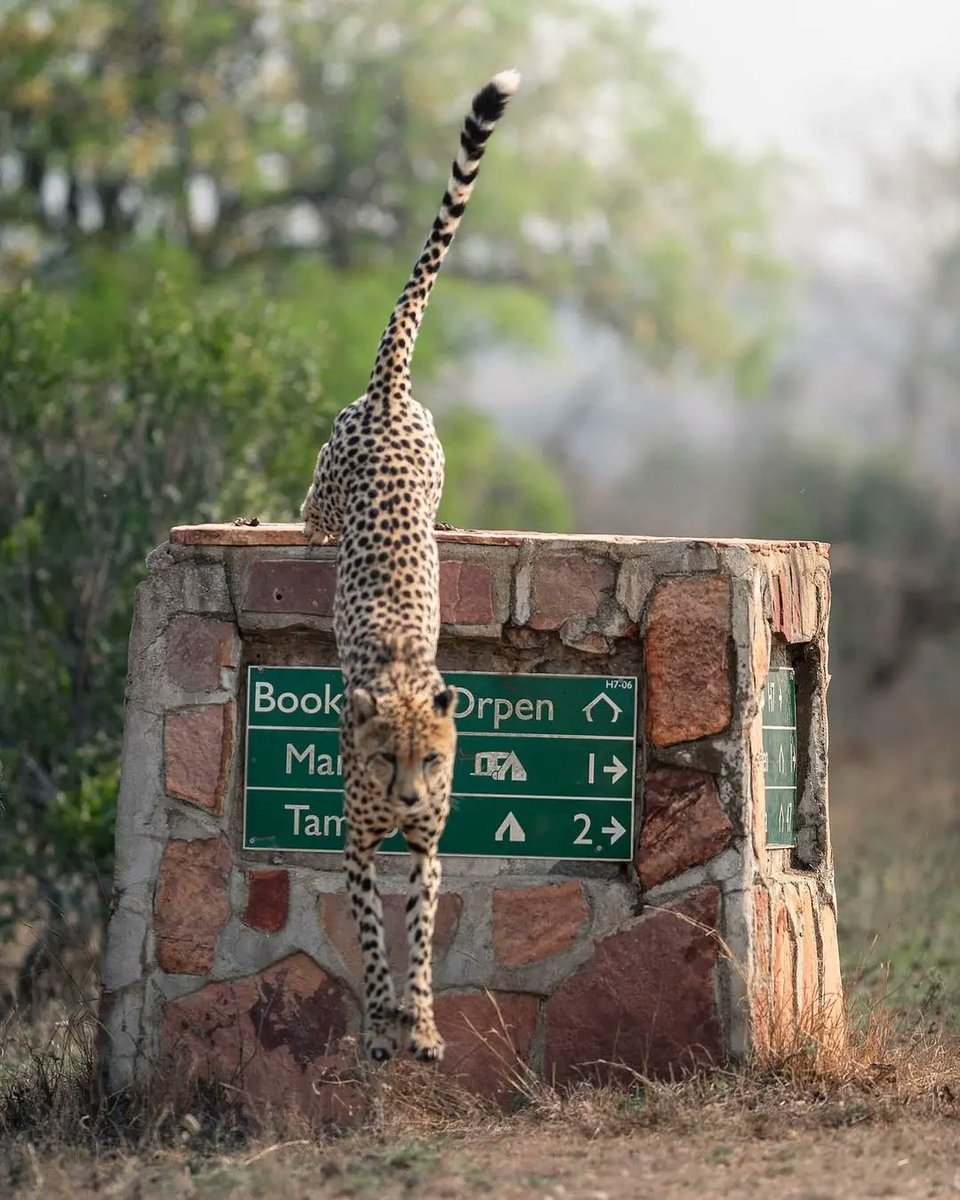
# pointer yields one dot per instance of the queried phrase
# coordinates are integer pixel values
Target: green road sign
(778, 706)
(545, 764)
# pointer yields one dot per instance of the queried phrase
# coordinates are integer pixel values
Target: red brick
(488, 1036)
(688, 660)
(268, 900)
(567, 586)
(197, 748)
(190, 904)
(533, 923)
(466, 594)
(645, 999)
(785, 615)
(197, 648)
(683, 824)
(340, 928)
(276, 1036)
(292, 586)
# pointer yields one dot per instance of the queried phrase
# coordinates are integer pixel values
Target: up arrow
(616, 771)
(511, 829)
(588, 708)
(615, 829)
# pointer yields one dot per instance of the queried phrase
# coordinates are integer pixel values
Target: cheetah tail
(392, 365)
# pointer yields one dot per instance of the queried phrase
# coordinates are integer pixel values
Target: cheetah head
(406, 741)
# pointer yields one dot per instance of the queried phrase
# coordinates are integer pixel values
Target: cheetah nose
(409, 800)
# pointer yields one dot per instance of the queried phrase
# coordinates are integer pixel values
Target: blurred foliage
(895, 556)
(117, 419)
(503, 482)
(244, 130)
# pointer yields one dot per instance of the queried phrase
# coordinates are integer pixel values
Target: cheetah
(376, 488)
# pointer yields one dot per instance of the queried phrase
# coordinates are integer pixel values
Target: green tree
(512, 487)
(330, 124)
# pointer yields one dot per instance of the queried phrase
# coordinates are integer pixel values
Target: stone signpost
(637, 862)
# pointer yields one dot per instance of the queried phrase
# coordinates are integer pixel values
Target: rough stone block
(687, 655)
(197, 746)
(794, 596)
(634, 584)
(761, 993)
(759, 636)
(276, 1036)
(683, 824)
(533, 923)
(645, 998)
(466, 593)
(831, 983)
(338, 924)
(292, 586)
(488, 1036)
(567, 586)
(809, 961)
(758, 794)
(268, 900)
(191, 905)
(197, 648)
(784, 968)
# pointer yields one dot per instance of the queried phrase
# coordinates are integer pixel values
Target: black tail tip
(491, 100)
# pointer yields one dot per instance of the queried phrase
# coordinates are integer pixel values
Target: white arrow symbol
(616, 770)
(615, 829)
(511, 829)
(588, 708)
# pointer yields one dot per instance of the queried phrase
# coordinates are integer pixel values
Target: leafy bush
(118, 418)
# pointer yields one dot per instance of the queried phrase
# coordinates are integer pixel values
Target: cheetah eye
(431, 758)
(389, 759)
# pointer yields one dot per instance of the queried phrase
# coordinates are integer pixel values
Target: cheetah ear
(363, 703)
(443, 702)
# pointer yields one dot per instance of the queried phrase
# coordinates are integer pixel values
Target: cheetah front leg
(423, 1039)
(380, 1015)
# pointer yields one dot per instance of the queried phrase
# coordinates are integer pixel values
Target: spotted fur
(376, 487)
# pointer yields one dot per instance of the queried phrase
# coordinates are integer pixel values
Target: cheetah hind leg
(423, 1038)
(381, 1016)
(315, 511)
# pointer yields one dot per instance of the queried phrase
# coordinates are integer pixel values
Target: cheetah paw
(424, 1042)
(380, 1037)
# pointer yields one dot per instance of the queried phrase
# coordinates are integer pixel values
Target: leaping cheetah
(376, 487)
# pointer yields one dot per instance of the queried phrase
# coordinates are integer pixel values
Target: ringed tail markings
(394, 353)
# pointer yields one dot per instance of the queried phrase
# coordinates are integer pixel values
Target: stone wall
(243, 964)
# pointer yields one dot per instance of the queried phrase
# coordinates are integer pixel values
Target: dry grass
(61, 1136)
(49, 1093)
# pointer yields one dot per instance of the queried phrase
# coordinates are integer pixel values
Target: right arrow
(615, 829)
(588, 708)
(511, 829)
(616, 770)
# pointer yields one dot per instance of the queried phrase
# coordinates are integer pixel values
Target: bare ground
(910, 1158)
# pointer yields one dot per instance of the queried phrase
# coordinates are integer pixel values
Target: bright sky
(785, 72)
